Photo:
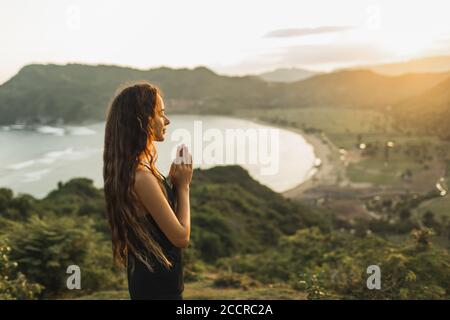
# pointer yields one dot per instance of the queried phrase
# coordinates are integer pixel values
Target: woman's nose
(167, 121)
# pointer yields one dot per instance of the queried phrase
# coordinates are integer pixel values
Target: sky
(233, 37)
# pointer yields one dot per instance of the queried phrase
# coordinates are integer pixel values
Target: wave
(51, 130)
(68, 154)
(80, 131)
(22, 165)
(58, 153)
(48, 158)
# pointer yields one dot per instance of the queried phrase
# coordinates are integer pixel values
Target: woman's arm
(177, 228)
(183, 209)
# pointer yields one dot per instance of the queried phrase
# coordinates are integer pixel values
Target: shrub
(13, 284)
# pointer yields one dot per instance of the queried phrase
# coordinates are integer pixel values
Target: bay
(34, 161)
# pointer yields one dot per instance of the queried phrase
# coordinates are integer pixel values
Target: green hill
(360, 89)
(231, 213)
(246, 241)
(77, 93)
(287, 75)
(429, 111)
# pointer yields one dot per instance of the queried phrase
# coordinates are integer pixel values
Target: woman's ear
(152, 124)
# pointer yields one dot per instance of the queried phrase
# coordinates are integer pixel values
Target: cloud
(300, 32)
(310, 56)
(330, 53)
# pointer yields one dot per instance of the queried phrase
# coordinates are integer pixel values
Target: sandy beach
(331, 171)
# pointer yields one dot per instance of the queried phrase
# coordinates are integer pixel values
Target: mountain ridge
(76, 93)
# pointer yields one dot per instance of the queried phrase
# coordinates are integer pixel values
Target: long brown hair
(128, 139)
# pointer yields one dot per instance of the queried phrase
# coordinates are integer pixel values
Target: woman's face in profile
(160, 120)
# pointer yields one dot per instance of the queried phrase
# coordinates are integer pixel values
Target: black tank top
(162, 282)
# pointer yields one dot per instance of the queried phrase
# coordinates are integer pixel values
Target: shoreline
(328, 171)
(325, 174)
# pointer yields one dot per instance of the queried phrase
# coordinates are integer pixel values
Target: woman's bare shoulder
(146, 181)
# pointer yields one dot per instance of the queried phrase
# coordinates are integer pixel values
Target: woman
(149, 216)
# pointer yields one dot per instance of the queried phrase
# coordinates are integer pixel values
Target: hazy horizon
(230, 38)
